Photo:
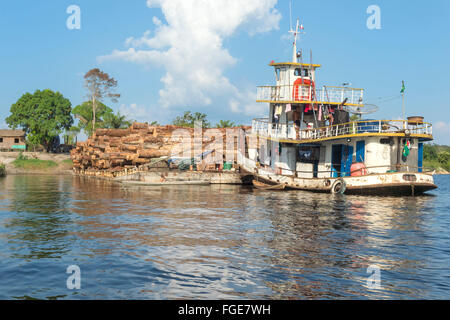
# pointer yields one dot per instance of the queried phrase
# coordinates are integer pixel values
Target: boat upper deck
(290, 133)
(328, 95)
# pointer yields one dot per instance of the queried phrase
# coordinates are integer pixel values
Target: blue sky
(209, 56)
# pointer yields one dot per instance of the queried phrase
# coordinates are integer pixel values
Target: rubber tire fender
(339, 186)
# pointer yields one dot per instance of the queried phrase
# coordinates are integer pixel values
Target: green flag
(403, 87)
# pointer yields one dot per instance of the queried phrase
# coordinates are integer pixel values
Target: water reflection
(215, 242)
(41, 216)
(324, 237)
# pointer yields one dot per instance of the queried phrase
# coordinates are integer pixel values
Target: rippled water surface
(217, 242)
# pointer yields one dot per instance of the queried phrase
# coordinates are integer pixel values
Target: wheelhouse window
(277, 73)
(300, 72)
(16, 140)
(282, 74)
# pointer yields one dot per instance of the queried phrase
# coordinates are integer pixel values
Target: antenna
(290, 15)
(296, 33)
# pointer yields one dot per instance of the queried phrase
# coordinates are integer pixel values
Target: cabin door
(360, 151)
(420, 157)
(336, 160)
(341, 160)
(347, 160)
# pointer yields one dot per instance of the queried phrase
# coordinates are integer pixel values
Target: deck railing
(264, 128)
(303, 94)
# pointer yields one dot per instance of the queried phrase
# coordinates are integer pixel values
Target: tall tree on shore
(100, 87)
(84, 114)
(42, 115)
(116, 121)
(225, 124)
(188, 120)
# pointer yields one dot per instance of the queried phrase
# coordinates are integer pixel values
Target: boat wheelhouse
(308, 141)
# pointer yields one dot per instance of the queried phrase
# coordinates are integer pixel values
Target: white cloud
(189, 46)
(134, 111)
(141, 113)
(442, 126)
(441, 132)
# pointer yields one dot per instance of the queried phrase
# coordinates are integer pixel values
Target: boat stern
(390, 184)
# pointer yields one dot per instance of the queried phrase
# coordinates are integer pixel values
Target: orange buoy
(358, 169)
(302, 96)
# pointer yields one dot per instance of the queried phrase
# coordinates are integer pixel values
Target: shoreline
(61, 164)
(19, 172)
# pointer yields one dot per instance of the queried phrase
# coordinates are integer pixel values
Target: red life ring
(301, 96)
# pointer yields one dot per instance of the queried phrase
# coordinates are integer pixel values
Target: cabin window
(1, 140)
(305, 72)
(308, 154)
(16, 140)
(385, 141)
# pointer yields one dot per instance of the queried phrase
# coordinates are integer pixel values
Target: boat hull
(393, 189)
(263, 186)
(388, 184)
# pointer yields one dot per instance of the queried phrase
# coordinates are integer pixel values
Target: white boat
(308, 141)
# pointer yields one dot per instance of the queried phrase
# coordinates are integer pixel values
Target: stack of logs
(112, 151)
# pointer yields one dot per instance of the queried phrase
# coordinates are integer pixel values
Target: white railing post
(379, 126)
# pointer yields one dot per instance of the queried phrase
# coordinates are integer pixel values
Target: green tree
(430, 152)
(188, 120)
(100, 86)
(443, 157)
(225, 124)
(84, 114)
(115, 121)
(42, 115)
(155, 124)
(355, 117)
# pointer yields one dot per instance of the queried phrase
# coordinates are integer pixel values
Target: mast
(296, 33)
(294, 49)
(403, 104)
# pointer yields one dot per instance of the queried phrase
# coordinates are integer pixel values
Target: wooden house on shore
(11, 140)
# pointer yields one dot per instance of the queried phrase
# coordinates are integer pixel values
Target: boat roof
(274, 64)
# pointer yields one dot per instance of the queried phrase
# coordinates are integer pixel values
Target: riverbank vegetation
(436, 157)
(23, 162)
(45, 115)
(105, 118)
(42, 115)
(188, 119)
(2, 170)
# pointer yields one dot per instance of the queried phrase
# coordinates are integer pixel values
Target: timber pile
(114, 152)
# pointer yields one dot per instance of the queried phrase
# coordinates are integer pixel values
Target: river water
(218, 242)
